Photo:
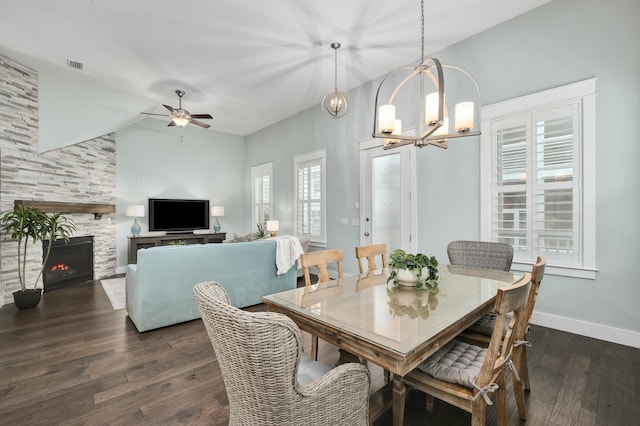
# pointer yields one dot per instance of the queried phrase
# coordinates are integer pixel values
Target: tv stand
(181, 239)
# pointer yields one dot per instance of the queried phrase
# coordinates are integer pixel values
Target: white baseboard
(589, 329)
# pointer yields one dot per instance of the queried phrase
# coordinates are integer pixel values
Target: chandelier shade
(416, 96)
(335, 101)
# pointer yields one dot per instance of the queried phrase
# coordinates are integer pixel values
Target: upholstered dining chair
(370, 252)
(480, 255)
(320, 259)
(269, 381)
(482, 330)
(466, 375)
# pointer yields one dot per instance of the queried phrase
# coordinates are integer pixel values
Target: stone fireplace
(83, 174)
(69, 263)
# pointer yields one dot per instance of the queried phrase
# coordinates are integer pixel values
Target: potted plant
(261, 232)
(29, 223)
(417, 270)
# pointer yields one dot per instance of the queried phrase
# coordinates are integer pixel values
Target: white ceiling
(249, 63)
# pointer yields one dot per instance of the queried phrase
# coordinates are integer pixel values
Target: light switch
(355, 222)
(344, 221)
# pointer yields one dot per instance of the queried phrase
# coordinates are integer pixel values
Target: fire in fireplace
(69, 263)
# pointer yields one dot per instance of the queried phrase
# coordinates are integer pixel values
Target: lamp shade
(135, 210)
(217, 211)
(273, 225)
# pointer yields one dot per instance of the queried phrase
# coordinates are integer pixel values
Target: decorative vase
(27, 299)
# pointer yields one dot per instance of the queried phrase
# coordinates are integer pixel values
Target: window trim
(259, 171)
(320, 154)
(585, 92)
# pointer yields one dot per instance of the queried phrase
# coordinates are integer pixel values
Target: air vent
(75, 65)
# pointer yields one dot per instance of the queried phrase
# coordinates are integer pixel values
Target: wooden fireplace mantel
(63, 207)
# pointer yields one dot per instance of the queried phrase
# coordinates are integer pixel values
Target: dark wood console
(136, 243)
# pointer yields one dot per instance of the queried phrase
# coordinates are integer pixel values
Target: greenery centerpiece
(413, 269)
(30, 223)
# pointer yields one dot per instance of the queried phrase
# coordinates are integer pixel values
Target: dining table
(394, 327)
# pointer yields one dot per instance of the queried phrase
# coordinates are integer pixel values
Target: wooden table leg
(399, 394)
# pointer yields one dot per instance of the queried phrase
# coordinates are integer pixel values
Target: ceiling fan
(181, 117)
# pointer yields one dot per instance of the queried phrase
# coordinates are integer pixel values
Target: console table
(136, 243)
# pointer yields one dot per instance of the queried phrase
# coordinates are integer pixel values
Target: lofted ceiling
(249, 63)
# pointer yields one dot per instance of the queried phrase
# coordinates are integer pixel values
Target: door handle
(366, 234)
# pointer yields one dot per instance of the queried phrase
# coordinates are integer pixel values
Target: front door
(386, 187)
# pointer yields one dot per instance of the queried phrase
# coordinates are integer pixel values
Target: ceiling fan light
(181, 121)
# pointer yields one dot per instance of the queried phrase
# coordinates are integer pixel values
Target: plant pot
(406, 278)
(27, 299)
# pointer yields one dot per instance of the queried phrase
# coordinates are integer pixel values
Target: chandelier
(335, 101)
(433, 120)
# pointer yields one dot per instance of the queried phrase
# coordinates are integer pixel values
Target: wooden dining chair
(480, 254)
(466, 375)
(370, 252)
(481, 332)
(320, 260)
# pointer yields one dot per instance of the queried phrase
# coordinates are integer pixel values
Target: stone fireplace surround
(82, 173)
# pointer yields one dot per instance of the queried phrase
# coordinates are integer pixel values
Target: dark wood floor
(74, 360)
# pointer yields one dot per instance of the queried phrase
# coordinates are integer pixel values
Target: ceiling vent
(75, 65)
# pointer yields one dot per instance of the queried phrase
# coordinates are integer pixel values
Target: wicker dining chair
(466, 375)
(370, 252)
(269, 381)
(480, 255)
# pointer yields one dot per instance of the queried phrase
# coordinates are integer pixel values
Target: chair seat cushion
(309, 370)
(485, 324)
(456, 362)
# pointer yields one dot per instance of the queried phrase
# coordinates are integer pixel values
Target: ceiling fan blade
(168, 107)
(171, 124)
(199, 123)
(151, 113)
(201, 116)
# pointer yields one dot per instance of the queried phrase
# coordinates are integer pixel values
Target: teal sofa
(159, 287)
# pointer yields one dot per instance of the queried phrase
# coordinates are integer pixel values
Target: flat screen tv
(178, 215)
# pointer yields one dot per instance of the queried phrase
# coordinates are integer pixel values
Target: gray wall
(559, 43)
(154, 160)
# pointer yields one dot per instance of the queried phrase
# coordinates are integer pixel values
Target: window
(262, 193)
(310, 220)
(538, 165)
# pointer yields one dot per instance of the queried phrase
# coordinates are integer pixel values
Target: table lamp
(273, 226)
(217, 211)
(135, 211)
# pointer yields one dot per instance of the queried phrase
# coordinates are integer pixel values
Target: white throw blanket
(288, 250)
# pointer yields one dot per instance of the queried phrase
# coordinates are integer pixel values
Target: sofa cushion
(243, 238)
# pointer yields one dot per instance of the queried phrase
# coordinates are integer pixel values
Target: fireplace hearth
(69, 263)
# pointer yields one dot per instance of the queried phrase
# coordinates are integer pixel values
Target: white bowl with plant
(413, 270)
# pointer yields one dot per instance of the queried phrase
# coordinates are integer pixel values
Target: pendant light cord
(422, 30)
(335, 46)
